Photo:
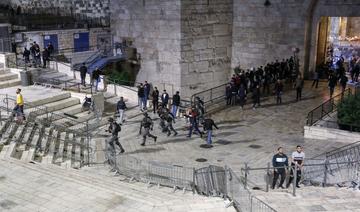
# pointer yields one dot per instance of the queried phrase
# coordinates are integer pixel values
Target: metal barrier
(151, 172)
(211, 181)
(326, 108)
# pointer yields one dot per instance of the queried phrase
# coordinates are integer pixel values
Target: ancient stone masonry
(206, 40)
(90, 8)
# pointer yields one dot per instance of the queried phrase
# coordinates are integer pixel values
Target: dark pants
(278, 98)
(116, 140)
(267, 88)
(228, 100)
(83, 79)
(155, 105)
(298, 177)
(298, 93)
(170, 128)
(194, 125)
(19, 110)
(315, 83)
(256, 101)
(332, 91)
(147, 133)
(242, 101)
(278, 172)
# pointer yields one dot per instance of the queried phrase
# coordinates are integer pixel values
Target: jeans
(194, 125)
(174, 110)
(209, 134)
(19, 110)
(97, 81)
(121, 116)
(144, 102)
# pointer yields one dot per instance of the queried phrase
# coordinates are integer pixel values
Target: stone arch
(316, 10)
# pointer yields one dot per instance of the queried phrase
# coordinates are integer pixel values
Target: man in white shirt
(297, 162)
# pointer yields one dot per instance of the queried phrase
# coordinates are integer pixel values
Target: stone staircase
(8, 79)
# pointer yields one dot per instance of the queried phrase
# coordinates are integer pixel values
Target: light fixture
(267, 3)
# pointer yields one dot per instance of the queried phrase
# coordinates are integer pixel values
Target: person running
(114, 129)
(147, 124)
(280, 164)
(194, 123)
(208, 127)
(297, 162)
(170, 119)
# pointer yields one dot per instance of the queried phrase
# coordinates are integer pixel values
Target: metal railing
(326, 108)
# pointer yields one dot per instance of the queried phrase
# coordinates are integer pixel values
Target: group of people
(34, 55)
(251, 81)
(280, 163)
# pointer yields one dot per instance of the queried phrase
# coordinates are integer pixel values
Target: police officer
(297, 162)
(170, 118)
(114, 129)
(280, 163)
(147, 124)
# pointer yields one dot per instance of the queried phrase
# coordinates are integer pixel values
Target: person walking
(316, 79)
(148, 125)
(299, 84)
(121, 107)
(19, 105)
(96, 78)
(242, 95)
(280, 164)
(256, 96)
(208, 127)
(194, 123)
(332, 83)
(343, 82)
(278, 91)
(114, 128)
(165, 99)
(297, 163)
(175, 103)
(26, 56)
(146, 94)
(141, 95)
(155, 99)
(170, 119)
(83, 72)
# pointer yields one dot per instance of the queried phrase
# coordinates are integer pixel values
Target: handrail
(310, 121)
(342, 148)
(204, 91)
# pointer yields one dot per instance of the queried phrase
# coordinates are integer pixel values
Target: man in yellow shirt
(19, 107)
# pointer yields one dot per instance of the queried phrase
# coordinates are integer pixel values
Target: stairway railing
(326, 107)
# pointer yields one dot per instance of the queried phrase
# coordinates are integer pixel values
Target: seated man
(87, 103)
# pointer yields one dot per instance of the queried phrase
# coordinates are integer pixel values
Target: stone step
(72, 110)
(7, 76)
(54, 106)
(4, 70)
(82, 117)
(11, 133)
(10, 83)
(59, 147)
(7, 151)
(55, 98)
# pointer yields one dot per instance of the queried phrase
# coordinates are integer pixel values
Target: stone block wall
(263, 34)
(206, 40)
(154, 27)
(90, 8)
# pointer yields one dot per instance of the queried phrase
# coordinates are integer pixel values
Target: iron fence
(327, 107)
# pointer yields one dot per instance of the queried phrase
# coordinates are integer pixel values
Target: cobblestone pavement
(34, 187)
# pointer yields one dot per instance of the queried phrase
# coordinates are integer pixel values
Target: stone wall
(354, 26)
(90, 8)
(263, 34)
(154, 27)
(206, 40)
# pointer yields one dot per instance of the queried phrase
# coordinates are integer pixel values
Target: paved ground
(245, 135)
(34, 187)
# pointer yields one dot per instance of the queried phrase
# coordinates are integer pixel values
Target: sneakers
(281, 187)
(143, 144)
(155, 139)
(175, 134)
(122, 151)
(297, 186)
(168, 134)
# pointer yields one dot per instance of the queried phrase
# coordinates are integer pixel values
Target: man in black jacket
(175, 104)
(96, 78)
(155, 99)
(114, 129)
(141, 96)
(280, 163)
(121, 107)
(164, 99)
(208, 126)
(83, 71)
